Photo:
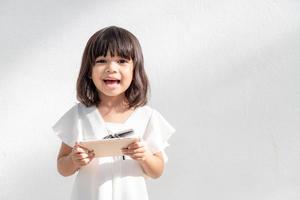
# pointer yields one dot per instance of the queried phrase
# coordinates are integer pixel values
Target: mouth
(111, 81)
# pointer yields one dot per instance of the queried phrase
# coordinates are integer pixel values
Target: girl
(112, 90)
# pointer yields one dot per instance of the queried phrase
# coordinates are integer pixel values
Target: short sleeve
(68, 127)
(157, 133)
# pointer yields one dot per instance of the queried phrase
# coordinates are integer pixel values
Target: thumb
(76, 144)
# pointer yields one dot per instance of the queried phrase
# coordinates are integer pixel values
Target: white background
(225, 74)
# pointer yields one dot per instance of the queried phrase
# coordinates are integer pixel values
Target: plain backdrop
(225, 74)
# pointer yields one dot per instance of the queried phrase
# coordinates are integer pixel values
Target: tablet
(108, 147)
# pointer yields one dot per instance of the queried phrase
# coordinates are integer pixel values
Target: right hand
(81, 156)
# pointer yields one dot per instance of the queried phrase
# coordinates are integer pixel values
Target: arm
(152, 164)
(69, 159)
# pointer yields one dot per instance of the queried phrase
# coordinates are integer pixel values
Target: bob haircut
(119, 42)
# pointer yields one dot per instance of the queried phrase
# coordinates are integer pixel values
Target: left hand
(137, 151)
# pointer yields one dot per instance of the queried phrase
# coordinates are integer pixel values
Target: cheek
(96, 77)
(96, 72)
(131, 71)
(128, 74)
(93, 72)
(129, 79)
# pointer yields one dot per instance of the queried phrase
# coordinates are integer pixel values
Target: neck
(117, 102)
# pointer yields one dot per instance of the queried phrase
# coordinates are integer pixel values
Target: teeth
(118, 81)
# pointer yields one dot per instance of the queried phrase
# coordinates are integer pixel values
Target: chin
(112, 94)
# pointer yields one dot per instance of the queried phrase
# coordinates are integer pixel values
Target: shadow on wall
(26, 26)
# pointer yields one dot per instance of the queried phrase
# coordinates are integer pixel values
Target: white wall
(224, 73)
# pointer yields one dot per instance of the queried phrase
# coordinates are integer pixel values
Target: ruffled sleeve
(68, 127)
(157, 133)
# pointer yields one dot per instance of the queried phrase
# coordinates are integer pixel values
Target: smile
(111, 82)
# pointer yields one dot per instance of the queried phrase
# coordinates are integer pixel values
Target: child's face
(112, 75)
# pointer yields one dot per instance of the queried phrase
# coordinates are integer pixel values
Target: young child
(112, 90)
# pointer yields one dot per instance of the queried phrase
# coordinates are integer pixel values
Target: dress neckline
(120, 123)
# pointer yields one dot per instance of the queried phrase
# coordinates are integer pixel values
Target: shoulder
(152, 113)
(146, 108)
(157, 119)
(74, 111)
(82, 109)
(147, 111)
(75, 107)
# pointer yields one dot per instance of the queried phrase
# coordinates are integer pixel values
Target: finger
(137, 155)
(143, 158)
(84, 161)
(85, 148)
(91, 155)
(78, 157)
(136, 148)
(88, 160)
(134, 151)
(126, 151)
(132, 145)
(83, 155)
(139, 150)
(75, 159)
(79, 149)
(77, 144)
(135, 145)
(82, 148)
(86, 155)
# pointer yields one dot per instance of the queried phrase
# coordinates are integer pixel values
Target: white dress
(112, 178)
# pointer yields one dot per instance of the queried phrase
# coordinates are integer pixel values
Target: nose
(111, 67)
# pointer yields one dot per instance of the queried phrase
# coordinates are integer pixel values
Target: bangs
(115, 42)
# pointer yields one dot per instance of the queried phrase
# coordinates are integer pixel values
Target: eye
(100, 61)
(122, 61)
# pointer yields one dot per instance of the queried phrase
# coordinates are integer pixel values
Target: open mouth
(111, 82)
